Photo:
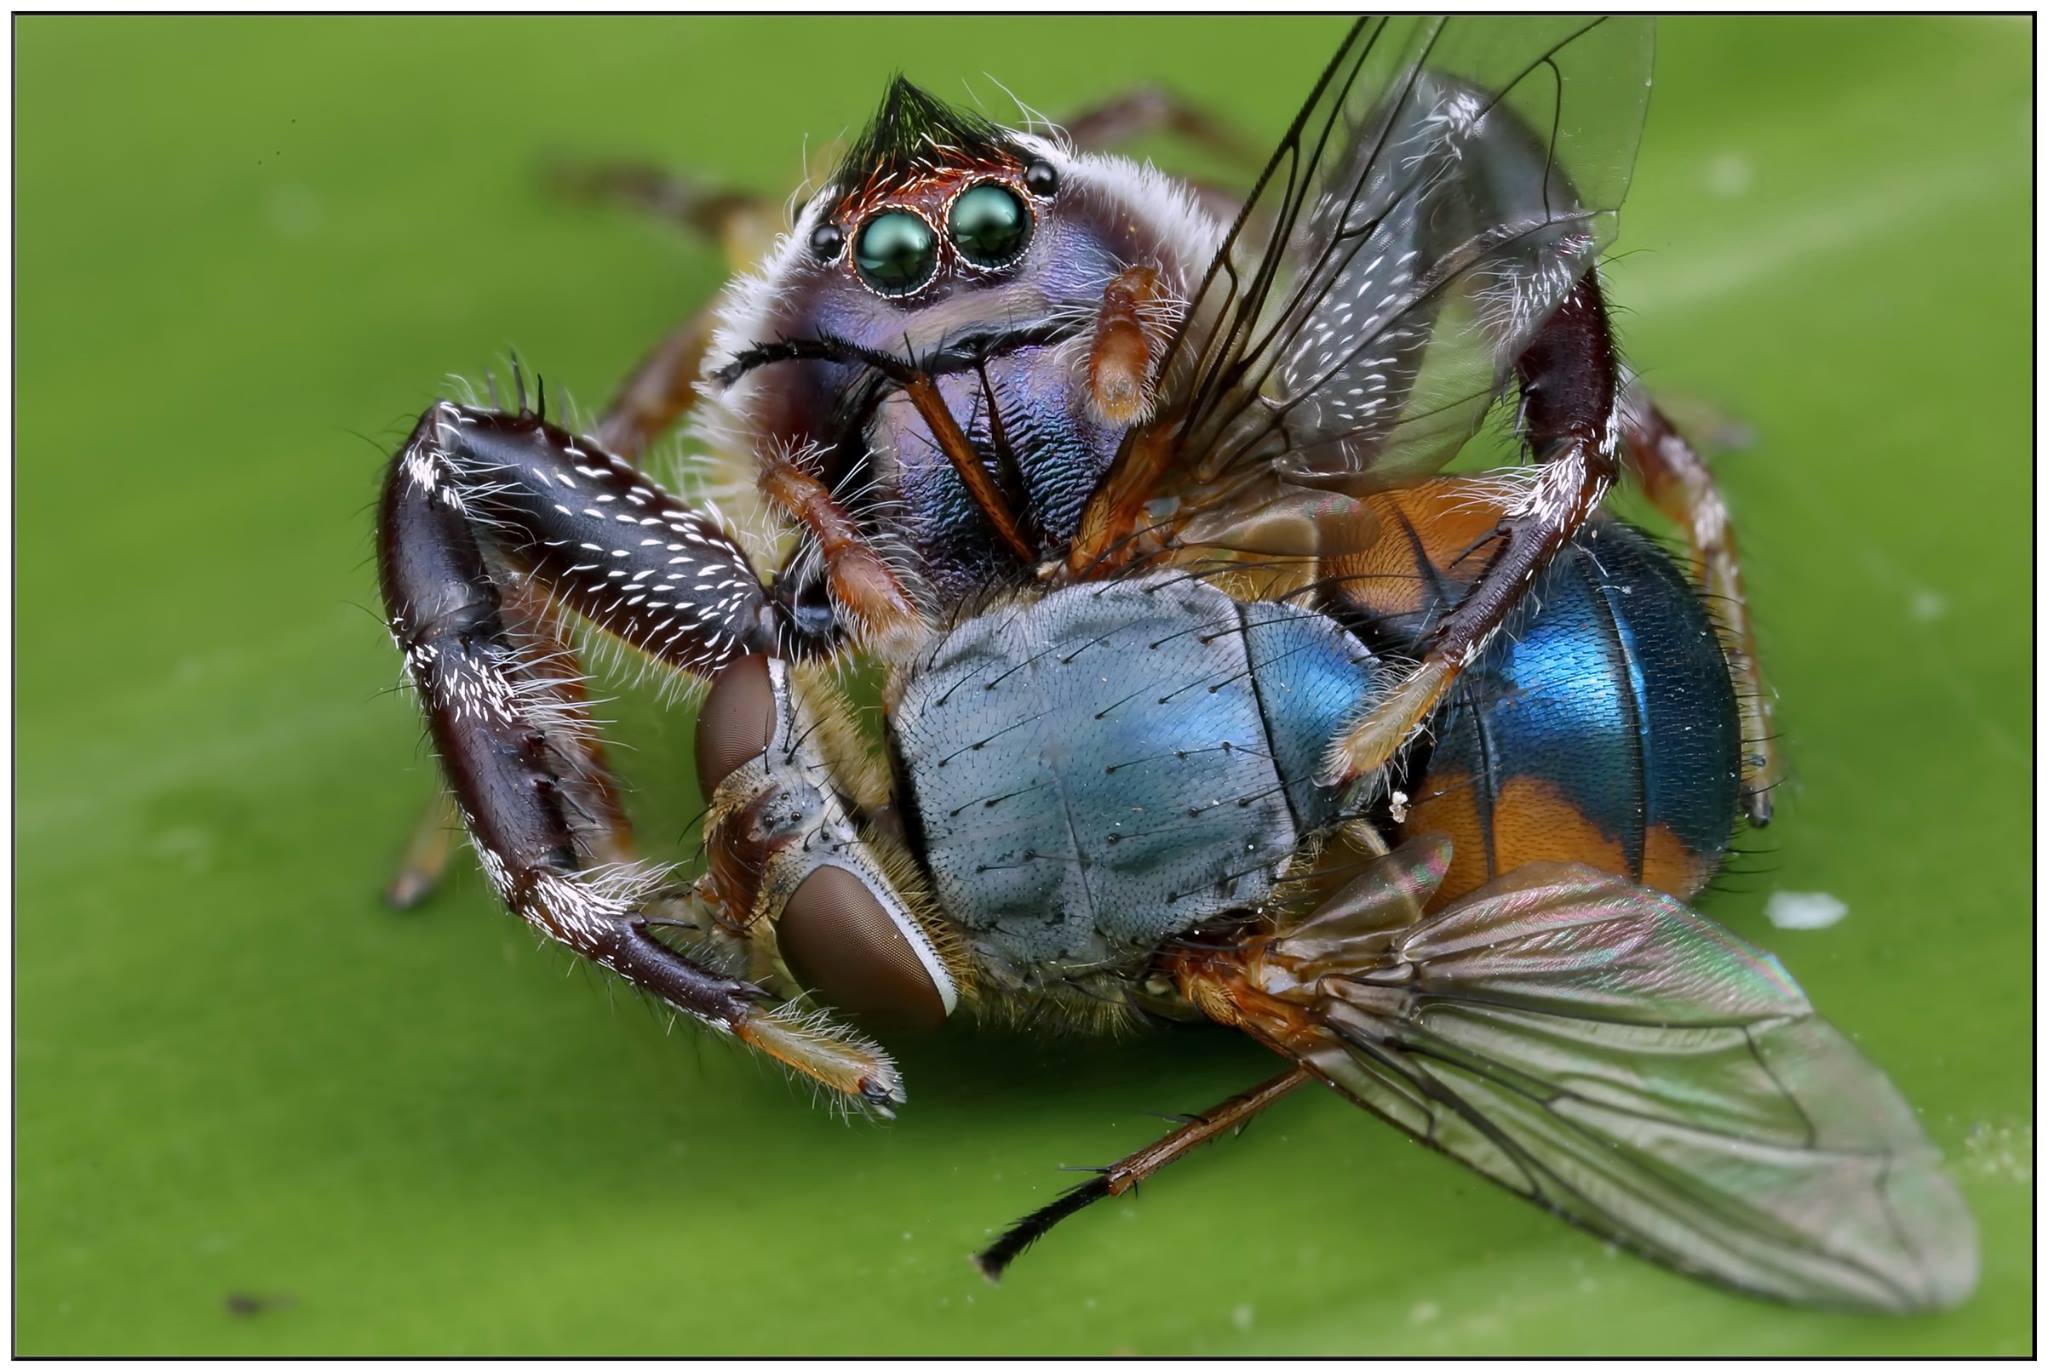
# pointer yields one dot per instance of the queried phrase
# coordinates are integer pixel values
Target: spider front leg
(1569, 376)
(473, 488)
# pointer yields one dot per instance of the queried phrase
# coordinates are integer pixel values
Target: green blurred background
(259, 1113)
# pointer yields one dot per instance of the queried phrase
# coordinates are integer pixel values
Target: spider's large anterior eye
(896, 252)
(840, 941)
(990, 225)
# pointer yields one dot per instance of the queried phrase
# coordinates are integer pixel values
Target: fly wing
(1633, 1067)
(1445, 186)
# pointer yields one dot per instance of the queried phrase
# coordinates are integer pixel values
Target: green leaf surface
(256, 1112)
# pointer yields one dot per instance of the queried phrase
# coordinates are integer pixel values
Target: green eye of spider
(990, 225)
(896, 252)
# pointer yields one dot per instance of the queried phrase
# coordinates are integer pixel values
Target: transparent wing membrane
(1633, 1067)
(1445, 187)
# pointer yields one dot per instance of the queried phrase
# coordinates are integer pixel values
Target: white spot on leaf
(1804, 909)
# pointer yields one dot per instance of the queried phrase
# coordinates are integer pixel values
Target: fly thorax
(1098, 770)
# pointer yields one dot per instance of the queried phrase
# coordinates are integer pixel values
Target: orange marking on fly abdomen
(1671, 867)
(1533, 821)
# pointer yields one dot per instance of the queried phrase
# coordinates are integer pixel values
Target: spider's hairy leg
(1143, 112)
(740, 221)
(1678, 482)
(509, 730)
(529, 620)
(602, 541)
(661, 389)
(861, 578)
(424, 861)
(1570, 383)
(1130, 333)
(1146, 111)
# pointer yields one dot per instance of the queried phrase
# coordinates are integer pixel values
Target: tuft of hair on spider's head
(914, 136)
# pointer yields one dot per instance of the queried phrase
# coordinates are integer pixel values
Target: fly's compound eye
(840, 940)
(990, 225)
(896, 252)
(826, 241)
(1041, 179)
(737, 722)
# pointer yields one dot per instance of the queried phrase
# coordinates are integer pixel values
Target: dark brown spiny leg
(658, 393)
(506, 720)
(1569, 378)
(531, 622)
(654, 399)
(1122, 1176)
(603, 540)
(661, 388)
(1679, 484)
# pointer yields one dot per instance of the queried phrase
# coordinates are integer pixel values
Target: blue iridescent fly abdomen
(1099, 769)
(1600, 727)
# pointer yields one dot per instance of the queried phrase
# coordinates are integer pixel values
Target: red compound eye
(840, 941)
(737, 721)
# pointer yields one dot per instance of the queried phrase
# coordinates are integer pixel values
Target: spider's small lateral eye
(990, 225)
(897, 252)
(1041, 179)
(826, 241)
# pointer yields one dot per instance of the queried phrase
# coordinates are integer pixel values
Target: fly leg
(1678, 482)
(1569, 379)
(1229, 1117)
(474, 491)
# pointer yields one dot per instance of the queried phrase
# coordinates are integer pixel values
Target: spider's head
(939, 223)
